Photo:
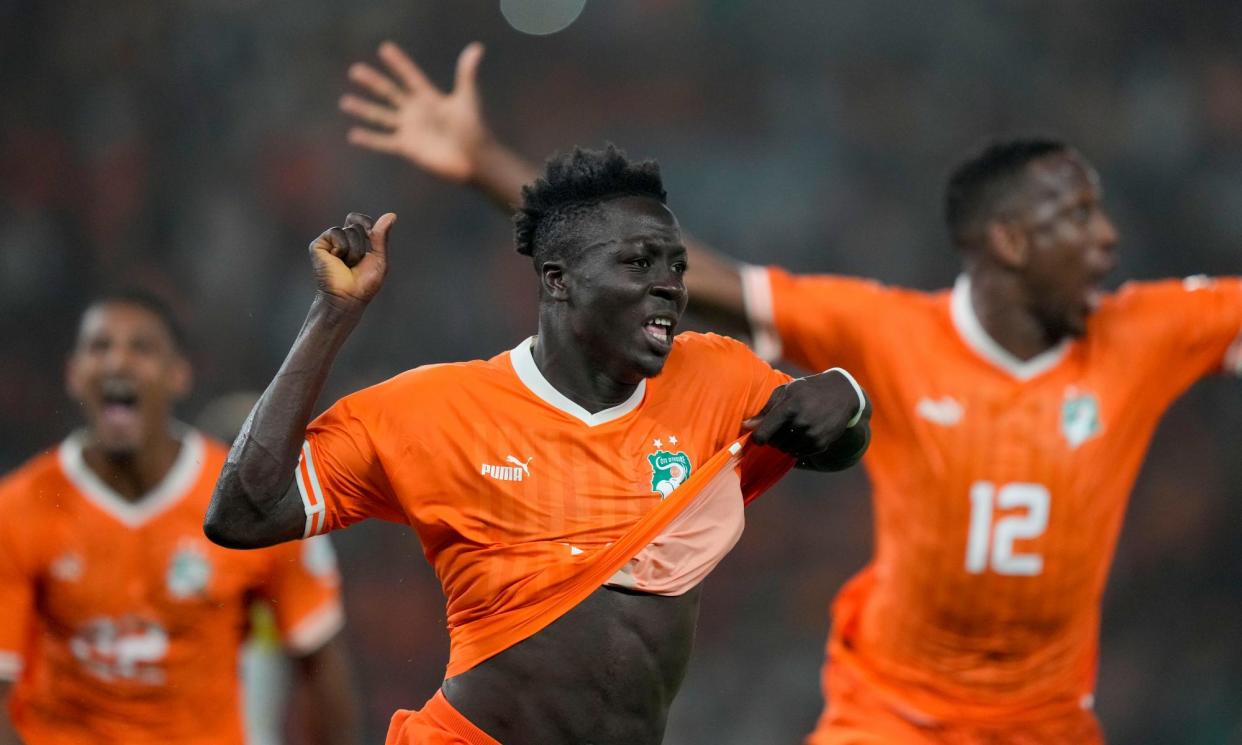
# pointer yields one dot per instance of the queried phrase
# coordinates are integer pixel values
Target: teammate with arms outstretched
(121, 623)
(572, 493)
(1017, 408)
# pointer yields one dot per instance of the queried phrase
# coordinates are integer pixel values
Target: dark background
(195, 148)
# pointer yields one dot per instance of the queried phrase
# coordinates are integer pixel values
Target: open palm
(437, 131)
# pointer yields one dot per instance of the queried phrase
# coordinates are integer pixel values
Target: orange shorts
(857, 716)
(437, 723)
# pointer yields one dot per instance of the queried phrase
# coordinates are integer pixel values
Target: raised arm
(446, 135)
(256, 502)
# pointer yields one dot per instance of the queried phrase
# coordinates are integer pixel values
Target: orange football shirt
(999, 485)
(122, 623)
(507, 482)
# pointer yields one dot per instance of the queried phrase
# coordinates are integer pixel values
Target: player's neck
(570, 370)
(998, 303)
(133, 476)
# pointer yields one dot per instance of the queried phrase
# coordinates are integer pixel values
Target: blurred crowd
(195, 148)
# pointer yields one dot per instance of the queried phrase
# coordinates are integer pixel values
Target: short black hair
(980, 182)
(148, 301)
(573, 184)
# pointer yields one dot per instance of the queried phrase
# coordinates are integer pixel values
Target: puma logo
(524, 466)
(515, 472)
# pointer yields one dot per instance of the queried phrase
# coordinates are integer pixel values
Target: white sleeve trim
(312, 494)
(862, 397)
(760, 312)
(10, 666)
(1233, 357)
(316, 628)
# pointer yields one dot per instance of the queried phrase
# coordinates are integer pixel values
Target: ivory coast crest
(668, 471)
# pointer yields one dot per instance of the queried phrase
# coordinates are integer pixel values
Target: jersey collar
(528, 372)
(970, 328)
(175, 484)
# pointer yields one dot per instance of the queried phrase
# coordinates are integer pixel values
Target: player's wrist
(858, 391)
(336, 311)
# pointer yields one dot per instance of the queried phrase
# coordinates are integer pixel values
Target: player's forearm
(333, 706)
(500, 173)
(714, 283)
(251, 505)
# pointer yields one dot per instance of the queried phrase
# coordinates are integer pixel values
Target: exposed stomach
(606, 673)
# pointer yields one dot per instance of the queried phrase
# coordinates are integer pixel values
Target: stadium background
(195, 148)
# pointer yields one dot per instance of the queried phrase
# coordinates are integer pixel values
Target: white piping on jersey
(312, 498)
(528, 372)
(972, 332)
(171, 489)
(760, 313)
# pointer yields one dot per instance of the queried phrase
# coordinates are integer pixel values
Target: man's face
(126, 372)
(625, 287)
(1070, 239)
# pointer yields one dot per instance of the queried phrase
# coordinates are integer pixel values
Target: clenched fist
(350, 261)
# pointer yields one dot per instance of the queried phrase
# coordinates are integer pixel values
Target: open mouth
(659, 330)
(120, 403)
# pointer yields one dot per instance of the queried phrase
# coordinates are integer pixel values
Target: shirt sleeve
(1186, 329)
(17, 582)
(303, 587)
(815, 321)
(340, 475)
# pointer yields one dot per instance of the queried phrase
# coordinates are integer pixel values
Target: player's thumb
(468, 67)
(379, 233)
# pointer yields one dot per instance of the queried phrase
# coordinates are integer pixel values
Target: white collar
(972, 332)
(528, 372)
(175, 484)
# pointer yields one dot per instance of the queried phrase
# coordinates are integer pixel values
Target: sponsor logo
(516, 472)
(945, 411)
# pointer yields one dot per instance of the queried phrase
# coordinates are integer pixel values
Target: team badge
(668, 471)
(1080, 417)
(188, 572)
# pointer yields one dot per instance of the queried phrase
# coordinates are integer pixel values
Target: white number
(1001, 535)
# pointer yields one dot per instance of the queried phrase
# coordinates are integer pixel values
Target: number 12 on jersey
(990, 543)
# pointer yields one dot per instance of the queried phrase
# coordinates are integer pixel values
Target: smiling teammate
(572, 578)
(1016, 410)
(121, 623)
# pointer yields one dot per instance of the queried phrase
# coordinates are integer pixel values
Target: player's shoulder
(1141, 299)
(32, 481)
(438, 379)
(701, 348)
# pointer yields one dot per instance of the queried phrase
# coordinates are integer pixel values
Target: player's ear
(75, 385)
(180, 377)
(1007, 243)
(553, 280)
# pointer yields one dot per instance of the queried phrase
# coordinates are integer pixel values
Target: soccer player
(121, 623)
(1017, 408)
(572, 493)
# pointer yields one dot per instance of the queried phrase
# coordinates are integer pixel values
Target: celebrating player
(572, 493)
(121, 623)
(1017, 409)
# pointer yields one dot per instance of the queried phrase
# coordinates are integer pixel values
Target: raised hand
(350, 261)
(439, 132)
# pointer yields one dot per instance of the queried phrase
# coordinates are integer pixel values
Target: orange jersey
(999, 485)
(122, 623)
(506, 480)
